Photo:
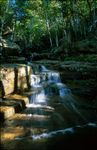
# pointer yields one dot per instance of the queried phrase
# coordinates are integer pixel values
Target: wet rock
(81, 77)
(12, 104)
(16, 97)
(17, 131)
(6, 112)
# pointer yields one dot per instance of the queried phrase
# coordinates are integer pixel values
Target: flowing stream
(52, 112)
(51, 94)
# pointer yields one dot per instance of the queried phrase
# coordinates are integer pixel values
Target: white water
(47, 85)
(54, 86)
(62, 132)
(67, 131)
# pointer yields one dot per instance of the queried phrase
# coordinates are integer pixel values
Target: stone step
(6, 112)
(19, 98)
(12, 104)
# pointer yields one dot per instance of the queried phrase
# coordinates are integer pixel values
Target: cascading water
(47, 83)
(48, 87)
(53, 118)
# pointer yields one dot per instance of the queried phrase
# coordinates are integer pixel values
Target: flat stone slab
(17, 131)
(6, 112)
(24, 99)
(12, 104)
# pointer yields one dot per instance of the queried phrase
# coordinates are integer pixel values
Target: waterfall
(53, 111)
(48, 90)
(47, 83)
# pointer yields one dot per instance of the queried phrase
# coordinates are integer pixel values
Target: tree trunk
(57, 40)
(90, 8)
(48, 28)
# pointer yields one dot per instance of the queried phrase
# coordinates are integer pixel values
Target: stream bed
(53, 118)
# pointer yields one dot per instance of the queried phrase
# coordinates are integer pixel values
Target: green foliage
(50, 23)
